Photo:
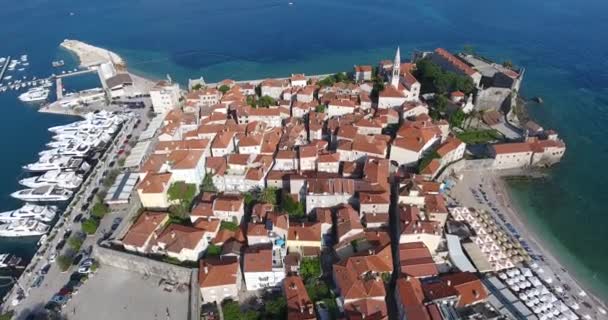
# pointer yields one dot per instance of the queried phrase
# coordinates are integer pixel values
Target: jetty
(6, 63)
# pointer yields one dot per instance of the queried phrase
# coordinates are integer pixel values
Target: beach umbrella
(548, 280)
(523, 296)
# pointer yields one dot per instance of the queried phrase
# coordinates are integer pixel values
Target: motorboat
(34, 95)
(56, 162)
(23, 228)
(30, 211)
(8, 260)
(45, 193)
(76, 150)
(63, 179)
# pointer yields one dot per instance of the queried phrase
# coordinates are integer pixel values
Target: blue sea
(562, 44)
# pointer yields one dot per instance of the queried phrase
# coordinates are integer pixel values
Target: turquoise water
(561, 43)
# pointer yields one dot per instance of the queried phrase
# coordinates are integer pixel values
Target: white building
(164, 96)
(262, 269)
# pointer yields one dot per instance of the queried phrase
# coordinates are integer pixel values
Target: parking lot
(119, 294)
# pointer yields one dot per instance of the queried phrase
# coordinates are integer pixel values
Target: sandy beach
(90, 55)
(549, 267)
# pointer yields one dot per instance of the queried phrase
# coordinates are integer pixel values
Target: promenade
(491, 182)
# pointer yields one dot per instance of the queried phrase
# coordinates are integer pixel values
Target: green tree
(181, 194)
(89, 226)
(294, 208)
(213, 251)
(64, 262)
(197, 86)
(269, 195)
(320, 108)
(434, 79)
(251, 101)
(457, 118)
(75, 242)
(223, 89)
(426, 159)
(208, 185)
(507, 64)
(99, 210)
(266, 101)
(275, 308)
(232, 311)
(110, 178)
(318, 291)
(228, 225)
(310, 269)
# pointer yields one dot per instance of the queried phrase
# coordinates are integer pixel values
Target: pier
(6, 63)
(59, 88)
(76, 73)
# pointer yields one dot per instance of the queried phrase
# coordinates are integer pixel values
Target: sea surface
(562, 44)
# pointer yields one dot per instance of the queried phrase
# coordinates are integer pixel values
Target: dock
(76, 73)
(6, 63)
(59, 88)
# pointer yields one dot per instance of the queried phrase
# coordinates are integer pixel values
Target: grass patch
(479, 136)
(227, 225)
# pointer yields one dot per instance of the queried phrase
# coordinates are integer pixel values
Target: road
(36, 298)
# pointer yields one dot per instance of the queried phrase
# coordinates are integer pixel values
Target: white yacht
(46, 193)
(75, 150)
(23, 228)
(8, 260)
(34, 95)
(30, 211)
(63, 179)
(56, 162)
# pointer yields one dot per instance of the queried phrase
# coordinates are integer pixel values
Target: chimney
(476, 294)
(297, 235)
(172, 234)
(449, 283)
(206, 269)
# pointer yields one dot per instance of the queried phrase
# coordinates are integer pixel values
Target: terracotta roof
(515, 147)
(411, 298)
(228, 203)
(329, 157)
(416, 260)
(177, 237)
(347, 219)
(222, 140)
(215, 272)
(363, 68)
(155, 183)
(366, 309)
(331, 186)
(296, 77)
(432, 167)
(469, 287)
(257, 260)
(454, 61)
(342, 103)
(308, 152)
(391, 92)
(154, 163)
(304, 232)
(452, 143)
(185, 159)
(299, 305)
(144, 227)
(202, 209)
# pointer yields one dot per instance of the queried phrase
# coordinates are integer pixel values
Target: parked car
(60, 299)
(45, 269)
(67, 233)
(38, 281)
(53, 256)
(77, 259)
(60, 245)
(77, 218)
(86, 205)
(116, 223)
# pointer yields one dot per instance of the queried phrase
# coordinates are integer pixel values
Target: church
(402, 86)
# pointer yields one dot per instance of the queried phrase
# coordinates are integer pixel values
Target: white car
(53, 256)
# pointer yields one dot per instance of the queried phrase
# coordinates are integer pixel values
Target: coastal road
(497, 196)
(55, 279)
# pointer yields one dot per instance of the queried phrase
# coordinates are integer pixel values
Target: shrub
(90, 226)
(64, 262)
